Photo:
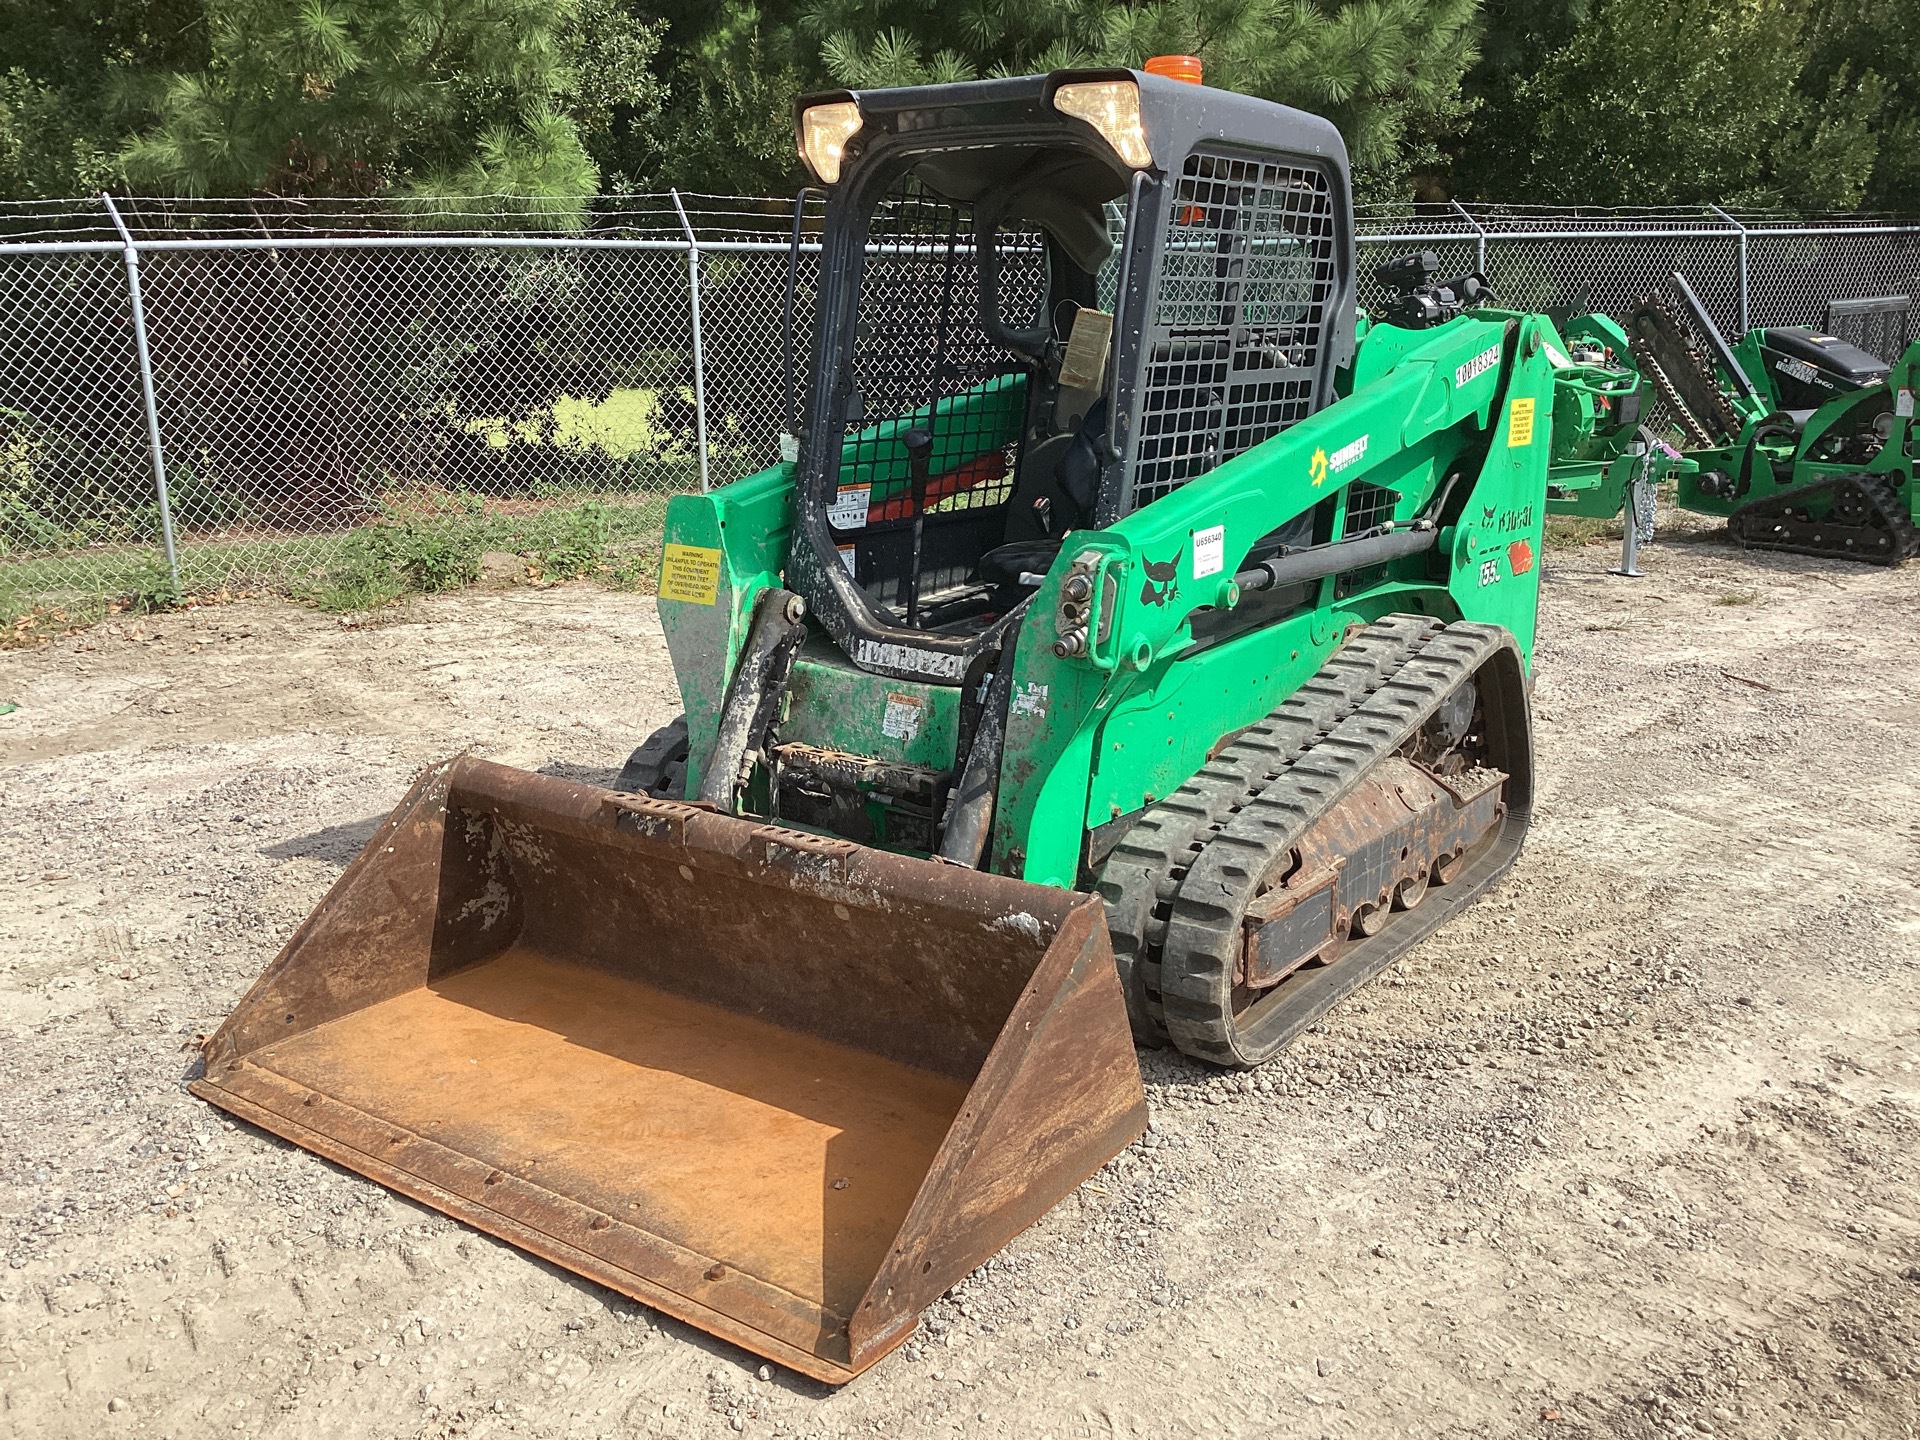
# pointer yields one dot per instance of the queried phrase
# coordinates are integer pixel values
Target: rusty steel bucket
(784, 1087)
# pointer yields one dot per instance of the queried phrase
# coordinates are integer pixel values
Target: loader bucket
(784, 1087)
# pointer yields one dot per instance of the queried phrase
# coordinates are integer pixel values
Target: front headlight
(824, 132)
(1113, 108)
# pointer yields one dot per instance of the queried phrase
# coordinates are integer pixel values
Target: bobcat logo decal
(1161, 586)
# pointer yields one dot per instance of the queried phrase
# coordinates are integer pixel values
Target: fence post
(1480, 237)
(699, 353)
(1745, 321)
(130, 253)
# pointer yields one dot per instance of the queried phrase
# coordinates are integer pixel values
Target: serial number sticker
(1478, 365)
(1520, 423)
(690, 573)
(1209, 551)
(848, 555)
(849, 508)
(911, 658)
(901, 719)
(1557, 358)
(1903, 404)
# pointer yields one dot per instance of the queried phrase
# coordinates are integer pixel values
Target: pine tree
(1387, 72)
(429, 97)
(72, 73)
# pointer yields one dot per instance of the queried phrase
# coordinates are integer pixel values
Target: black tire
(659, 767)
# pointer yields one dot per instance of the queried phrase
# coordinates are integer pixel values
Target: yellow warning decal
(1520, 423)
(690, 573)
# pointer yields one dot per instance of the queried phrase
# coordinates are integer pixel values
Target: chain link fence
(216, 396)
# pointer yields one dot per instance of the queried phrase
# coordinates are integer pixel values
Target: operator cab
(1043, 303)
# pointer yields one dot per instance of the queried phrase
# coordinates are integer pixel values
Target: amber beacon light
(1176, 67)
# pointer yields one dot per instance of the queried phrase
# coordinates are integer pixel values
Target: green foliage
(536, 104)
(1861, 73)
(578, 550)
(1646, 102)
(48, 147)
(431, 97)
(153, 589)
(1665, 100)
(425, 549)
(72, 69)
(1387, 72)
(405, 554)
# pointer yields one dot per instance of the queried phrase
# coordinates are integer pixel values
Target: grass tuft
(1573, 532)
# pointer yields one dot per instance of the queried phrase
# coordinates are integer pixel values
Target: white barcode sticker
(849, 508)
(1903, 404)
(1209, 551)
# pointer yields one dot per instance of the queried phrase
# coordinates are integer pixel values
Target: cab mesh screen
(921, 356)
(1234, 333)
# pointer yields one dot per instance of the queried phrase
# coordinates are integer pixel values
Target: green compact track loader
(1804, 441)
(1137, 641)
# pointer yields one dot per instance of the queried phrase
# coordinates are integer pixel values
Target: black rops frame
(1178, 118)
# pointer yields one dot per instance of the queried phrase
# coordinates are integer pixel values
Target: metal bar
(780, 247)
(60, 247)
(699, 354)
(1411, 238)
(1744, 322)
(1316, 562)
(1716, 342)
(130, 253)
(1480, 237)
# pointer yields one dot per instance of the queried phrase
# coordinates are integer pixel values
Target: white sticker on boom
(849, 508)
(849, 554)
(1903, 403)
(1209, 551)
(1029, 698)
(1560, 361)
(1477, 366)
(902, 718)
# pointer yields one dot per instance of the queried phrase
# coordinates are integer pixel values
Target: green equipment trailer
(1138, 640)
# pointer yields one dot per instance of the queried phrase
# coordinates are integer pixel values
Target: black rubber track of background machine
(1141, 878)
(1751, 524)
(1204, 934)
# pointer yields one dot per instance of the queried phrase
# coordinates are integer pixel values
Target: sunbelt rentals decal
(1323, 464)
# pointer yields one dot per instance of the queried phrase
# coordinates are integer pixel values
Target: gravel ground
(1628, 1150)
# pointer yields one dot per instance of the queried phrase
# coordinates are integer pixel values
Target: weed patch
(1572, 532)
(421, 550)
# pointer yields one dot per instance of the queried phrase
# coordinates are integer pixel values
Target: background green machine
(1121, 554)
(1803, 441)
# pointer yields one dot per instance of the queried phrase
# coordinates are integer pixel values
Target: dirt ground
(1630, 1150)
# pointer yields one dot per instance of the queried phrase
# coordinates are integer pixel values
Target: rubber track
(1204, 933)
(1141, 878)
(1885, 504)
